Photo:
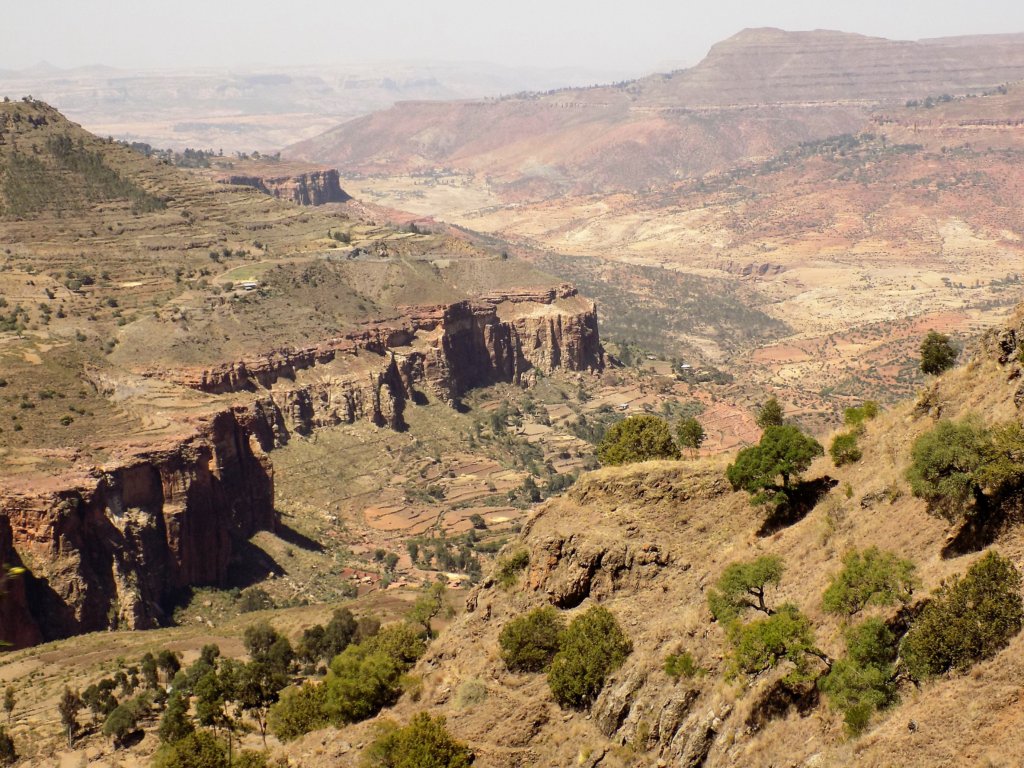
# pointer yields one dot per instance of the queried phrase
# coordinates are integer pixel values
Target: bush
(865, 680)
(366, 677)
(299, 711)
(530, 642)
(682, 665)
(938, 353)
(510, 566)
(250, 758)
(967, 620)
(424, 743)
(197, 750)
(873, 577)
(741, 584)
(783, 636)
(592, 646)
(691, 434)
(844, 449)
(637, 438)
(944, 463)
(770, 414)
(855, 417)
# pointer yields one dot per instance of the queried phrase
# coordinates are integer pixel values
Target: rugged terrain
(648, 540)
(164, 333)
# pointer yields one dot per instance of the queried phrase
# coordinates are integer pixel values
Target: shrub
(863, 681)
(197, 750)
(855, 417)
(944, 462)
(250, 758)
(938, 353)
(529, 643)
(844, 449)
(592, 646)
(637, 438)
(470, 693)
(967, 620)
(691, 434)
(424, 743)
(510, 566)
(300, 710)
(784, 636)
(682, 665)
(741, 584)
(872, 577)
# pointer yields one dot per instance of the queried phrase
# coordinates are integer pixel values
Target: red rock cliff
(312, 188)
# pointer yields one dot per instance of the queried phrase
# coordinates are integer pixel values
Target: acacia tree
(783, 453)
(743, 585)
(871, 577)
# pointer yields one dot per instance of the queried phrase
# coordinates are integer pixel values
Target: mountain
(753, 95)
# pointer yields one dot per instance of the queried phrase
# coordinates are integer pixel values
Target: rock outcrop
(111, 545)
(312, 188)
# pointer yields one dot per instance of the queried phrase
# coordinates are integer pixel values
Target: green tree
(124, 720)
(855, 417)
(257, 688)
(299, 711)
(424, 743)
(938, 353)
(844, 449)
(9, 702)
(871, 577)
(944, 468)
(529, 642)
(429, 605)
(637, 438)
(168, 663)
(691, 434)
(149, 670)
(200, 749)
(743, 585)
(8, 754)
(592, 647)
(967, 620)
(783, 452)
(770, 414)
(69, 706)
(865, 679)
(786, 635)
(175, 723)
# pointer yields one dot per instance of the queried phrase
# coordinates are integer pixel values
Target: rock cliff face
(312, 188)
(109, 546)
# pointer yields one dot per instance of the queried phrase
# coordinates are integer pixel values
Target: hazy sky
(637, 35)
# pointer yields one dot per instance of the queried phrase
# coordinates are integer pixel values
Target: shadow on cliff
(250, 565)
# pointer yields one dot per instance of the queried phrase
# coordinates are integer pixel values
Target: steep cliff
(110, 545)
(311, 188)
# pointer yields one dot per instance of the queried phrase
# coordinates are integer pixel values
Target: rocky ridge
(310, 188)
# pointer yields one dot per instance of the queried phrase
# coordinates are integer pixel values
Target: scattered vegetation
(424, 743)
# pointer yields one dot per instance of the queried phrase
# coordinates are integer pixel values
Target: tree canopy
(871, 577)
(691, 434)
(783, 453)
(637, 438)
(743, 585)
(769, 414)
(593, 646)
(938, 353)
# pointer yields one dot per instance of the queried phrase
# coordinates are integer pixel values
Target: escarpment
(311, 188)
(109, 543)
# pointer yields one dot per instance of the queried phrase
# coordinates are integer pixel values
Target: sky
(631, 36)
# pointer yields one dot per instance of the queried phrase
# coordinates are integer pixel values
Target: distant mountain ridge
(754, 94)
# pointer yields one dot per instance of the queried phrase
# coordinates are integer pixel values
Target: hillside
(648, 541)
(163, 334)
(754, 94)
